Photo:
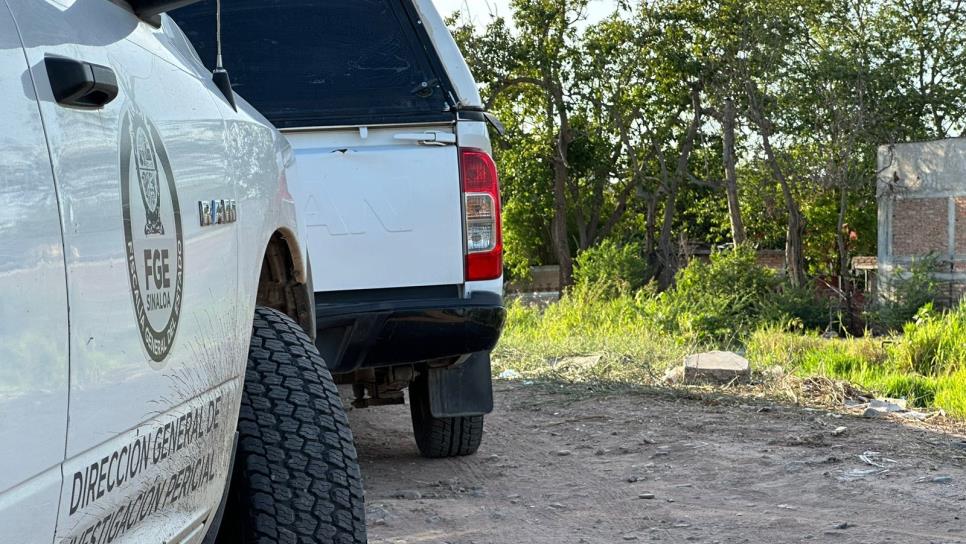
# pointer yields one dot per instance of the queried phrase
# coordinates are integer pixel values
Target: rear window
(322, 63)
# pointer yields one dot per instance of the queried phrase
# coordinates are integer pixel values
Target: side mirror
(152, 8)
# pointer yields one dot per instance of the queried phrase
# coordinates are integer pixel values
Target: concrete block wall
(922, 211)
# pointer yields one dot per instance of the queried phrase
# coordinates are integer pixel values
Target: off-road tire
(441, 437)
(296, 478)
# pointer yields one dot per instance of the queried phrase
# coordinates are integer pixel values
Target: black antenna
(219, 75)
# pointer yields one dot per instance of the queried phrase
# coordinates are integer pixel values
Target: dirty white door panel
(33, 310)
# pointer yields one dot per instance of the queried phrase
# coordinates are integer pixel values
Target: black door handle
(81, 84)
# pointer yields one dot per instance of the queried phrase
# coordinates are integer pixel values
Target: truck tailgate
(380, 212)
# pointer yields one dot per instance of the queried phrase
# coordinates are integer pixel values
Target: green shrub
(718, 301)
(611, 268)
(902, 297)
(919, 391)
(799, 305)
(951, 393)
(934, 344)
(839, 360)
(773, 345)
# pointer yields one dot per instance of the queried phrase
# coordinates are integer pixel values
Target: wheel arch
(285, 280)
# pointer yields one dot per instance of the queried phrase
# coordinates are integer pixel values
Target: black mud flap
(462, 390)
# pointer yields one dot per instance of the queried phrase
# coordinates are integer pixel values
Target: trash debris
(839, 431)
(577, 362)
(408, 494)
(914, 415)
(875, 459)
(879, 407)
(935, 480)
(674, 375)
(888, 405)
(510, 374)
(854, 474)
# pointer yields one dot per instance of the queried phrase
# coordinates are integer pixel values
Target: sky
(479, 10)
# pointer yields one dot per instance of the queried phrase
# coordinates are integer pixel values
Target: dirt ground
(561, 465)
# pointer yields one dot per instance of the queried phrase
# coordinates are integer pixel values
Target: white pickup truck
(155, 299)
(395, 181)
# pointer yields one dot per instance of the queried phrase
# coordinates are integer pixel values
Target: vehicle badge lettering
(217, 212)
(152, 233)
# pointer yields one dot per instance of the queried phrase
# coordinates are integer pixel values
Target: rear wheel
(439, 437)
(296, 477)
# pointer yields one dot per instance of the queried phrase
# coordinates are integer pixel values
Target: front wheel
(440, 437)
(296, 478)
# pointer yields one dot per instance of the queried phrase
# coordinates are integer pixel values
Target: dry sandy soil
(561, 465)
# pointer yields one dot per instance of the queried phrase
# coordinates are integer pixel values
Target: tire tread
(296, 463)
(441, 437)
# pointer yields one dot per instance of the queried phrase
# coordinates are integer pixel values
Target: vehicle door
(33, 310)
(151, 274)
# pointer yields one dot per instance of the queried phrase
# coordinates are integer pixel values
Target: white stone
(716, 367)
(888, 405)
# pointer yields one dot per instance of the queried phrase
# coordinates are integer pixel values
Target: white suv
(154, 299)
(398, 189)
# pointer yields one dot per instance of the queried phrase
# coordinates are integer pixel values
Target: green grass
(628, 343)
(926, 364)
(539, 342)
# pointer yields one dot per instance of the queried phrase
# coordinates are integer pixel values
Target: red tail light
(481, 206)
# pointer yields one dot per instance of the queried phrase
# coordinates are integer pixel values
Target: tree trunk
(731, 175)
(560, 241)
(561, 176)
(845, 285)
(794, 248)
(841, 237)
(667, 251)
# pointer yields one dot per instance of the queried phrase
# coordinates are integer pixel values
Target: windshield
(339, 62)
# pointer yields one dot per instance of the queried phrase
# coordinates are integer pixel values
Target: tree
(743, 119)
(925, 40)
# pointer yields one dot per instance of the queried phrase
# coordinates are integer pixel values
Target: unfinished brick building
(922, 211)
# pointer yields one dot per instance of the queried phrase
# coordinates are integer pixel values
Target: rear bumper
(396, 332)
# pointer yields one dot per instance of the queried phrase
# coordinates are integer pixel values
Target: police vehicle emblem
(147, 169)
(152, 233)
